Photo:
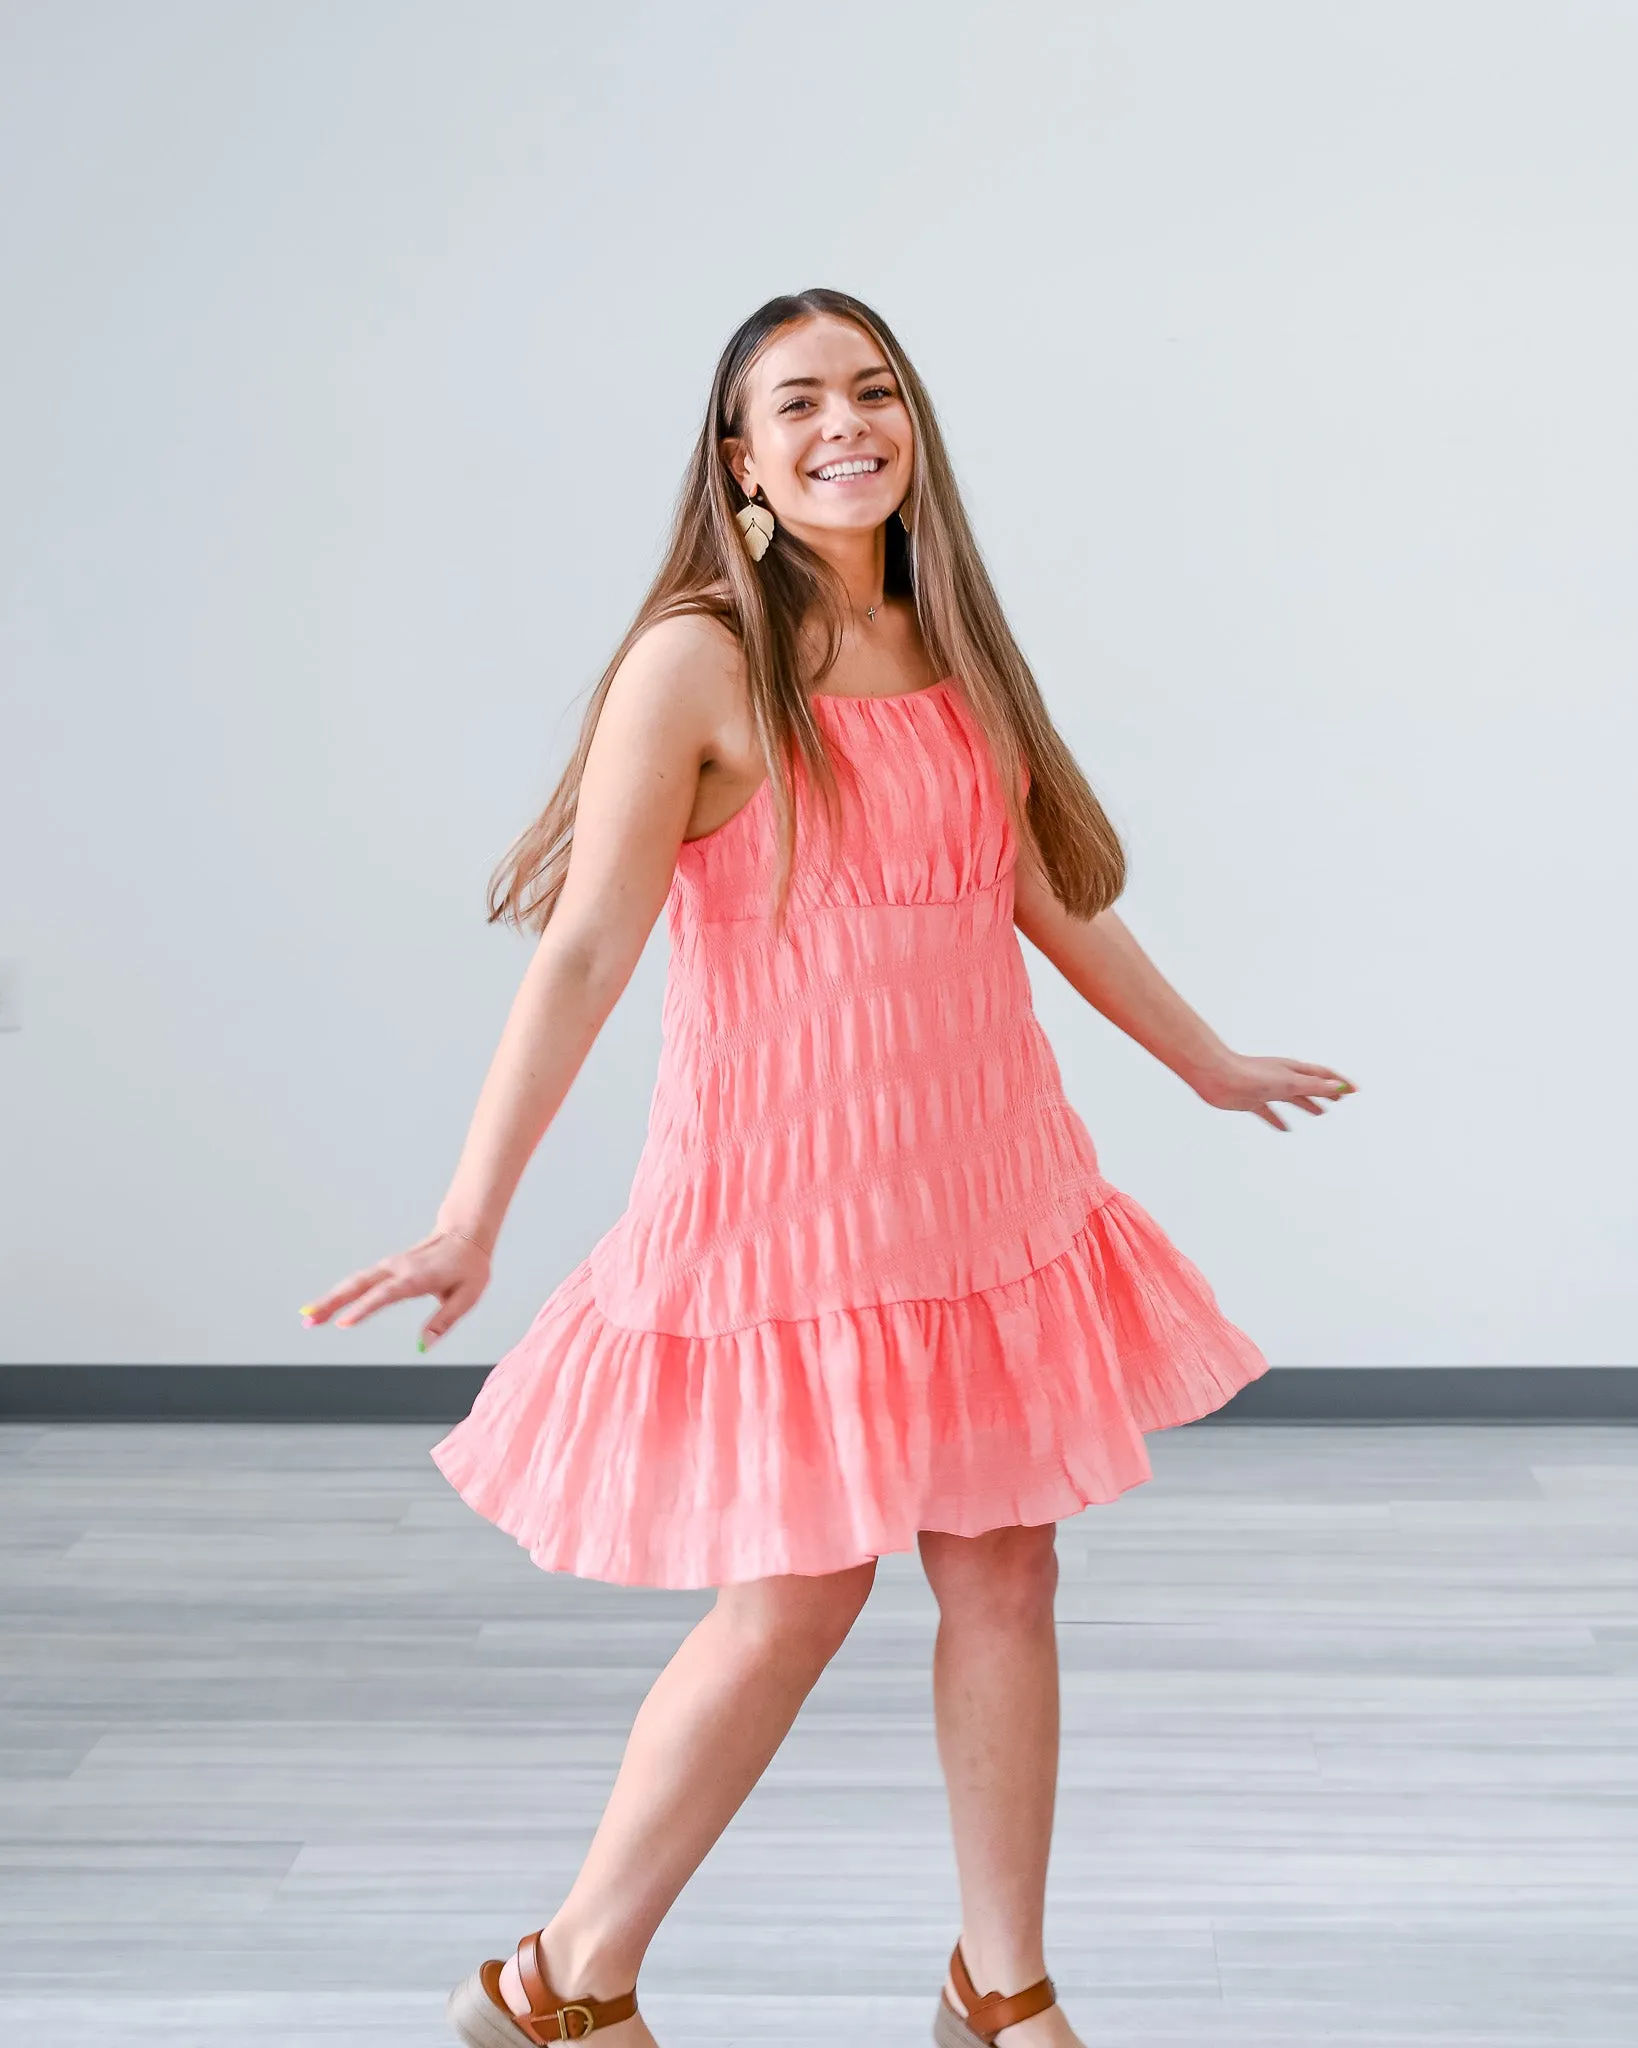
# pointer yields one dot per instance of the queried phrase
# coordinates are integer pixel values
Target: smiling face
(824, 430)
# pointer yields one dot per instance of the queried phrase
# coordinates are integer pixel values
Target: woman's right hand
(454, 1268)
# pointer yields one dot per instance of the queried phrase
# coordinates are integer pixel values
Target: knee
(797, 1620)
(1006, 1577)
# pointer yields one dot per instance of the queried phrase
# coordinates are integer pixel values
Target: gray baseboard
(443, 1393)
(238, 1393)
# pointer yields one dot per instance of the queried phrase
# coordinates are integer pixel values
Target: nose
(842, 419)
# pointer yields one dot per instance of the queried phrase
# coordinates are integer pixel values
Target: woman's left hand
(1241, 1082)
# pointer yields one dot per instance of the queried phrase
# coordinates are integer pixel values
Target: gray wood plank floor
(288, 1738)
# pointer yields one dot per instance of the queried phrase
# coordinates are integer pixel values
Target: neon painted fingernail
(420, 1344)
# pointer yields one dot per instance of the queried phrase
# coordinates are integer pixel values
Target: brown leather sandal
(483, 2019)
(983, 2018)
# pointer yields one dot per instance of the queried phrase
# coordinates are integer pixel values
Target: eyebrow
(875, 370)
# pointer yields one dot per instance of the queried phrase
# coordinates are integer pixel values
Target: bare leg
(702, 1738)
(995, 1697)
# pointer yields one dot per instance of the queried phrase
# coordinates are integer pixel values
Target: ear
(739, 462)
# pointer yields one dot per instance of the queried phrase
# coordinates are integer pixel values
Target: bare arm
(1103, 962)
(636, 796)
(653, 735)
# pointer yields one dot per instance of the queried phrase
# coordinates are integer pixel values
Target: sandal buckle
(562, 2018)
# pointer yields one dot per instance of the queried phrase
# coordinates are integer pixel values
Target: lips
(852, 469)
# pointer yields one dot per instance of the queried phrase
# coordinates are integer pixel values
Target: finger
(381, 1296)
(350, 1289)
(444, 1318)
(1269, 1116)
(1306, 1102)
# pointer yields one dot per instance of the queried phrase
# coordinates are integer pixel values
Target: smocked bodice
(863, 1108)
(922, 819)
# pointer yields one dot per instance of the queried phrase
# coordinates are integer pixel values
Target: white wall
(351, 356)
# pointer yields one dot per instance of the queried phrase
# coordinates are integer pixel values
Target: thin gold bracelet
(451, 1231)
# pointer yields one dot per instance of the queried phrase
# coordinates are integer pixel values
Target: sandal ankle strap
(986, 2016)
(552, 2018)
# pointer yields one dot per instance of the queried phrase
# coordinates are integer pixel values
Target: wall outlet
(11, 995)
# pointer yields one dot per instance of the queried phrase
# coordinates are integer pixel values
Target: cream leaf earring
(756, 526)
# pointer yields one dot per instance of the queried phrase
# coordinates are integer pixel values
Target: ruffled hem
(642, 1458)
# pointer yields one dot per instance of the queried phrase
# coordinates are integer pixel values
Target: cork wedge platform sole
(481, 2017)
(951, 2032)
(981, 2018)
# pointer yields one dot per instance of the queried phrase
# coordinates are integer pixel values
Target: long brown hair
(767, 606)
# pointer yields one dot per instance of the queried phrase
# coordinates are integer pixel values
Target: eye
(878, 391)
(791, 404)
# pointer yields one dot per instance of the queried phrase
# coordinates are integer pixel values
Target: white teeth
(867, 466)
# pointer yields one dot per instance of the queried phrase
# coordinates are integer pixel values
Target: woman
(871, 1288)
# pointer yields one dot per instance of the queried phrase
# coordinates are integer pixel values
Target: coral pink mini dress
(870, 1279)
